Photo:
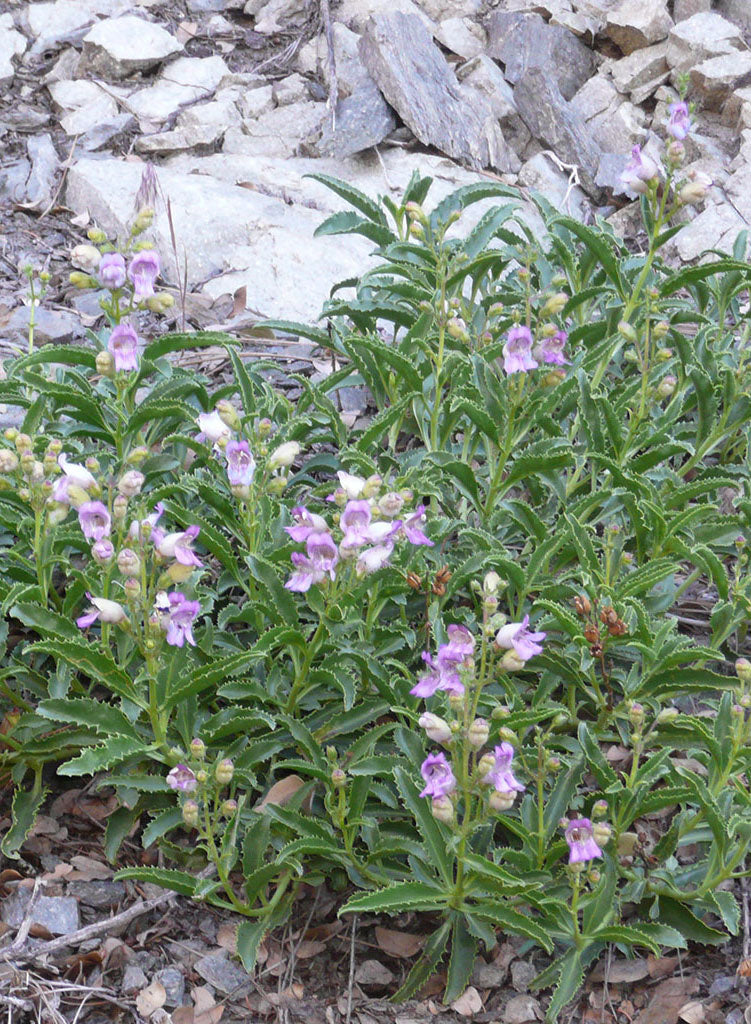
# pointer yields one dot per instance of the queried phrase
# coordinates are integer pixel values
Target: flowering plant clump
(469, 674)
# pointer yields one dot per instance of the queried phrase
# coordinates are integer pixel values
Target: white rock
(462, 36)
(735, 112)
(484, 74)
(117, 47)
(276, 14)
(184, 81)
(636, 23)
(640, 67)
(355, 13)
(440, 10)
(683, 9)
(312, 59)
(288, 90)
(716, 227)
(255, 102)
(716, 78)
(698, 38)
(541, 174)
(85, 103)
(12, 44)
(737, 11)
(596, 96)
(51, 24)
(279, 132)
(579, 24)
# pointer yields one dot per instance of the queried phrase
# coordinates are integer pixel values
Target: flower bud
(415, 212)
(456, 702)
(190, 813)
(284, 455)
(105, 364)
(627, 331)
(500, 711)
(676, 152)
(667, 715)
(119, 508)
(553, 764)
(477, 734)
(22, 443)
(160, 302)
(666, 387)
(511, 662)
(416, 230)
(743, 670)
(8, 461)
(77, 495)
(491, 584)
(128, 562)
(143, 221)
(502, 801)
(80, 280)
(131, 483)
(102, 551)
(57, 514)
(137, 455)
(594, 876)
(197, 748)
(372, 486)
(86, 258)
(456, 328)
(132, 588)
(179, 573)
(694, 192)
(265, 427)
(390, 505)
(96, 235)
(338, 778)
(554, 304)
(548, 331)
(224, 772)
(436, 729)
(599, 808)
(636, 715)
(201, 777)
(485, 765)
(745, 701)
(601, 833)
(228, 414)
(661, 329)
(228, 808)
(442, 809)
(508, 735)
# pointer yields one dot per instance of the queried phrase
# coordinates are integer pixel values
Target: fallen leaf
(281, 792)
(325, 931)
(521, 1010)
(468, 1003)
(239, 301)
(396, 943)
(210, 1016)
(186, 31)
(661, 966)
(151, 998)
(693, 1012)
(667, 999)
(183, 1015)
(203, 998)
(309, 948)
(373, 974)
(87, 869)
(744, 968)
(226, 937)
(619, 971)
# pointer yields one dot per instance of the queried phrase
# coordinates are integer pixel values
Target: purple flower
(373, 559)
(101, 608)
(102, 551)
(179, 622)
(444, 675)
(75, 473)
(516, 635)
(679, 124)
(517, 352)
(319, 561)
(143, 271)
(112, 271)
(123, 345)
(136, 527)
(551, 349)
(94, 519)
(212, 426)
(355, 522)
(460, 647)
(305, 524)
(638, 171)
(439, 779)
(241, 465)
(501, 776)
(581, 844)
(182, 778)
(411, 527)
(178, 545)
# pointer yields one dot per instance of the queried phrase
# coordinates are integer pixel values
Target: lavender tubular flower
(438, 776)
(517, 352)
(639, 171)
(551, 349)
(213, 427)
(581, 843)
(102, 609)
(112, 271)
(178, 546)
(319, 561)
(373, 559)
(123, 346)
(94, 519)
(76, 474)
(241, 466)
(679, 124)
(143, 271)
(179, 622)
(306, 523)
(501, 777)
(518, 637)
(181, 778)
(412, 531)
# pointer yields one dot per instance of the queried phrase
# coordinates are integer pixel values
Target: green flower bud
(80, 280)
(554, 304)
(228, 808)
(416, 230)
(119, 508)
(160, 302)
(601, 833)
(416, 213)
(96, 235)
(477, 735)
(284, 455)
(508, 735)
(105, 364)
(197, 748)
(660, 329)
(224, 772)
(627, 331)
(667, 715)
(442, 809)
(636, 714)
(743, 670)
(599, 809)
(23, 443)
(202, 777)
(501, 801)
(666, 387)
(132, 589)
(500, 711)
(143, 221)
(190, 813)
(338, 778)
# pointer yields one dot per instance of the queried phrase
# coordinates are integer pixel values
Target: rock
(223, 974)
(64, 67)
(173, 981)
(44, 165)
(634, 24)
(683, 9)
(278, 132)
(484, 75)
(737, 110)
(356, 13)
(441, 10)
(202, 125)
(698, 38)
(523, 41)
(58, 914)
(85, 105)
(550, 118)
(277, 15)
(716, 227)
(488, 975)
(579, 24)
(103, 894)
(63, 21)
(313, 59)
(415, 79)
(615, 125)
(117, 47)
(372, 974)
(361, 120)
(53, 327)
(521, 1010)
(12, 44)
(462, 36)
(522, 975)
(255, 102)
(609, 171)
(541, 174)
(737, 11)
(738, 187)
(13, 177)
(100, 134)
(722, 984)
(214, 6)
(715, 79)
(288, 90)
(640, 67)
(134, 979)
(182, 82)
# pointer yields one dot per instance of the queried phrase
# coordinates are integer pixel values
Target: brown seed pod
(414, 581)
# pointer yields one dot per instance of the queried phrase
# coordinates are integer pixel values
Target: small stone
(12, 44)
(522, 1010)
(716, 227)
(182, 82)
(134, 979)
(462, 36)
(51, 24)
(373, 974)
(255, 102)
(716, 79)
(640, 67)
(634, 24)
(488, 975)
(355, 14)
(52, 326)
(313, 59)
(278, 132)
(700, 37)
(116, 47)
(86, 105)
(277, 15)
(522, 975)
(683, 9)
(725, 983)
(44, 165)
(362, 120)
(58, 914)
(98, 893)
(542, 174)
(173, 981)
(288, 90)
(223, 974)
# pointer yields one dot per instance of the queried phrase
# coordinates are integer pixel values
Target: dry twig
(333, 83)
